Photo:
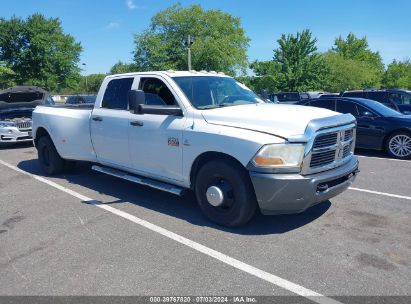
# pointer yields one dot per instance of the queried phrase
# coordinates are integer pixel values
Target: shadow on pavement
(372, 153)
(20, 145)
(184, 207)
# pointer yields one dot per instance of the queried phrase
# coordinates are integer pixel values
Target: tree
(6, 76)
(346, 74)
(398, 75)
(266, 76)
(39, 52)
(357, 49)
(301, 67)
(93, 83)
(220, 42)
(121, 67)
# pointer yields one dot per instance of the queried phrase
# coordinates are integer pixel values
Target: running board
(140, 180)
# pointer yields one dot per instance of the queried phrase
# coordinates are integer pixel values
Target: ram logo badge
(173, 142)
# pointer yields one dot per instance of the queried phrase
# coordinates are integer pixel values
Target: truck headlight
(4, 124)
(279, 156)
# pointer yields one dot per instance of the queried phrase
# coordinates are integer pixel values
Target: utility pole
(85, 76)
(190, 41)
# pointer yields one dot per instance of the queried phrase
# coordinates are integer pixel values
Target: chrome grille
(322, 159)
(325, 140)
(330, 148)
(348, 134)
(24, 125)
(346, 150)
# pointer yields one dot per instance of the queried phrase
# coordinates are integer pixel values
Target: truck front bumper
(294, 193)
(14, 135)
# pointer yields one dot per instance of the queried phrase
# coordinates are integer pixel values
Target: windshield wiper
(215, 106)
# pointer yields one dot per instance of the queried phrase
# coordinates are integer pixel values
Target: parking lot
(86, 233)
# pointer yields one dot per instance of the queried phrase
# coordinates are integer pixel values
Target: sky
(106, 28)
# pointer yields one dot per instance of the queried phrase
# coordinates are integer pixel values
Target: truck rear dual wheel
(225, 194)
(49, 158)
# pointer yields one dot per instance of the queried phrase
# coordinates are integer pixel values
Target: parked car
(397, 99)
(16, 107)
(210, 134)
(288, 97)
(327, 95)
(378, 126)
(80, 99)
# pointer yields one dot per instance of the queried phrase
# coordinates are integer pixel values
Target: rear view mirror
(135, 99)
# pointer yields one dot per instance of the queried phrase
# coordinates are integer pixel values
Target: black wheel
(398, 145)
(49, 159)
(225, 194)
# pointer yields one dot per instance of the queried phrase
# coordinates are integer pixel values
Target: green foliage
(6, 76)
(398, 75)
(265, 79)
(39, 52)
(121, 67)
(220, 42)
(301, 67)
(93, 83)
(356, 49)
(347, 74)
(296, 66)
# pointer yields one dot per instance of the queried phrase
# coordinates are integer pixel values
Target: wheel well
(40, 133)
(391, 133)
(202, 159)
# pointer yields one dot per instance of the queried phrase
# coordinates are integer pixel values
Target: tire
(398, 145)
(50, 160)
(239, 203)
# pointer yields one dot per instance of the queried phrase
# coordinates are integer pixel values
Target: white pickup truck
(177, 131)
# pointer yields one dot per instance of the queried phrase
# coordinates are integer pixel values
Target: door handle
(97, 118)
(137, 123)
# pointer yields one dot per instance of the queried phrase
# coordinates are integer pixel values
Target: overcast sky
(105, 28)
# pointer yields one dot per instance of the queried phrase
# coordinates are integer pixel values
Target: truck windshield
(208, 92)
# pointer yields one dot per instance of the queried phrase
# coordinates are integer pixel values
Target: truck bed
(82, 106)
(69, 128)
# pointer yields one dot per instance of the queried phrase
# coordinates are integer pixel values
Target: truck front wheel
(224, 193)
(49, 159)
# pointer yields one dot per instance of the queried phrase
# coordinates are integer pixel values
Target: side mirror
(159, 110)
(135, 99)
(368, 115)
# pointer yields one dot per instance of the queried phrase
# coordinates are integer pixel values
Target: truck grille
(24, 125)
(331, 147)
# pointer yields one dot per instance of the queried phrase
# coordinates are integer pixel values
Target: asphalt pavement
(56, 238)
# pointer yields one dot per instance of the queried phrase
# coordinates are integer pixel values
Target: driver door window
(156, 92)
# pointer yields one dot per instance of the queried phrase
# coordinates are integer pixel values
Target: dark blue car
(378, 126)
(397, 99)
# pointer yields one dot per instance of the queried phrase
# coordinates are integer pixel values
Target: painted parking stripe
(268, 277)
(381, 193)
(382, 158)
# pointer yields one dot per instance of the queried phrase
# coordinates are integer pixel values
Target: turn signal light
(265, 161)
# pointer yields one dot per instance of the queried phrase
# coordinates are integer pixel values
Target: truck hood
(280, 120)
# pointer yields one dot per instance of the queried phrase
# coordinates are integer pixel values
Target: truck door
(156, 141)
(109, 124)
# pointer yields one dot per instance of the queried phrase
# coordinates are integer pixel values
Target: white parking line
(268, 277)
(381, 193)
(382, 158)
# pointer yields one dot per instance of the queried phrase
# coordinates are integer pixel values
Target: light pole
(85, 68)
(189, 42)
